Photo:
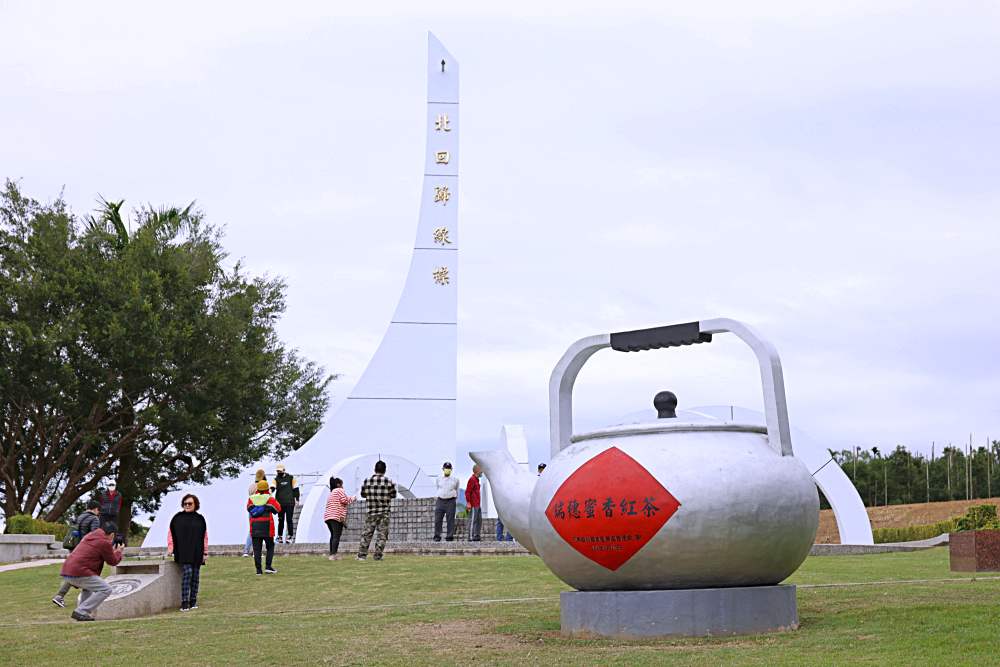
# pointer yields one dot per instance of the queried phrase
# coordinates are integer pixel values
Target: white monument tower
(402, 410)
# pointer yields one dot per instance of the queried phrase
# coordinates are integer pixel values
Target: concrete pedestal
(19, 547)
(141, 588)
(697, 612)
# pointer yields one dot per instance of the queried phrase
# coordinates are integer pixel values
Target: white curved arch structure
(403, 407)
(411, 481)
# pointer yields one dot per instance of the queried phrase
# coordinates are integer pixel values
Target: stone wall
(412, 521)
(21, 547)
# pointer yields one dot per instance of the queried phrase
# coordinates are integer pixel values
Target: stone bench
(20, 547)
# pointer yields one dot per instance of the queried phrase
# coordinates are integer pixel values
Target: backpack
(258, 511)
(73, 535)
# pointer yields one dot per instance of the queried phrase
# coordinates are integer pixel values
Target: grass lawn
(434, 610)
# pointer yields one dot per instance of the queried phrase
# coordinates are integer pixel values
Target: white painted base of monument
(143, 588)
(695, 612)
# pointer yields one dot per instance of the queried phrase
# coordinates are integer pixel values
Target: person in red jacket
(262, 507)
(83, 569)
(473, 501)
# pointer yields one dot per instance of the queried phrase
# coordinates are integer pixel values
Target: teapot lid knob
(666, 404)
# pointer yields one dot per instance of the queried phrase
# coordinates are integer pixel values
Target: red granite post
(975, 551)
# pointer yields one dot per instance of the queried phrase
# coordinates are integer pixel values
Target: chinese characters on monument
(441, 236)
(442, 194)
(441, 276)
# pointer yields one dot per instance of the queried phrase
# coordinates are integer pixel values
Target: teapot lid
(668, 419)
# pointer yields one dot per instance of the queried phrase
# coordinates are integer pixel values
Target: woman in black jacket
(187, 540)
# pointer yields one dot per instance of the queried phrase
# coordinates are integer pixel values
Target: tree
(136, 356)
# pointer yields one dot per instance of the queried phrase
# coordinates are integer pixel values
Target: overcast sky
(828, 175)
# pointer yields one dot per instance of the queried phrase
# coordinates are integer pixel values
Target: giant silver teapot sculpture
(666, 504)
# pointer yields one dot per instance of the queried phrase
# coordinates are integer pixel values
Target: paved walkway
(883, 548)
(29, 563)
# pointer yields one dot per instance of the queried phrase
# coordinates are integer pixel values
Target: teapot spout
(512, 487)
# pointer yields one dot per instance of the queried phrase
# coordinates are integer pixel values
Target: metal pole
(927, 470)
(968, 471)
(949, 471)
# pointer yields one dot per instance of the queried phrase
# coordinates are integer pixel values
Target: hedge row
(977, 517)
(910, 533)
(22, 524)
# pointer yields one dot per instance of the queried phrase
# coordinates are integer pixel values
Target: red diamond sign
(610, 508)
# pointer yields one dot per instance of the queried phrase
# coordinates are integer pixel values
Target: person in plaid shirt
(378, 492)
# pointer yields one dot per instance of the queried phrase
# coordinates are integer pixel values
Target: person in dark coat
(286, 491)
(111, 503)
(187, 540)
(86, 523)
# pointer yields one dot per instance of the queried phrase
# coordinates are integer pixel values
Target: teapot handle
(564, 374)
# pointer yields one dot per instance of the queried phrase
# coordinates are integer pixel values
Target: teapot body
(673, 506)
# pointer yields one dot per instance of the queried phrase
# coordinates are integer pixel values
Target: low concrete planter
(142, 589)
(20, 547)
(975, 551)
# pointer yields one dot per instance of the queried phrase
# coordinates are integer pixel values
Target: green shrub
(979, 517)
(911, 533)
(22, 524)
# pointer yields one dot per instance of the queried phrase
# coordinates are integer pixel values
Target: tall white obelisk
(403, 409)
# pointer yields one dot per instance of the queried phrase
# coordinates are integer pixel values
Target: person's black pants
(336, 528)
(286, 511)
(257, 543)
(444, 508)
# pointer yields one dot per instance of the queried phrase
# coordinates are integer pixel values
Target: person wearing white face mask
(444, 505)
(111, 507)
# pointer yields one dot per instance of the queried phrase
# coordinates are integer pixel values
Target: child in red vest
(262, 507)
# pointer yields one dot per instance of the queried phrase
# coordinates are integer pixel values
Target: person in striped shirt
(335, 514)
